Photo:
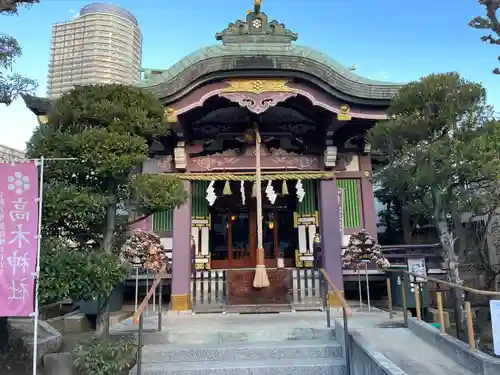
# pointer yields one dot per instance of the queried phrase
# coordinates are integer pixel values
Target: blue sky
(390, 40)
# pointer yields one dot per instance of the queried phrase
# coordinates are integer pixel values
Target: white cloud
(74, 13)
(17, 124)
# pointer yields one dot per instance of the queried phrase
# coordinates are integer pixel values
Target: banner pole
(37, 272)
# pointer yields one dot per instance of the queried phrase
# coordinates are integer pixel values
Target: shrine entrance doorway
(234, 232)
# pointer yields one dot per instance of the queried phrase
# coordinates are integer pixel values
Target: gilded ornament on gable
(43, 119)
(256, 6)
(256, 29)
(170, 115)
(258, 86)
(257, 23)
(344, 114)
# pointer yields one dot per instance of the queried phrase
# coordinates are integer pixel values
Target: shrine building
(312, 114)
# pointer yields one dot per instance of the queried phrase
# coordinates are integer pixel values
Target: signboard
(495, 324)
(493, 240)
(18, 238)
(417, 265)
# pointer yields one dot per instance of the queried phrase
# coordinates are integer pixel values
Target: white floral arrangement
(362, 247)
(144, 249)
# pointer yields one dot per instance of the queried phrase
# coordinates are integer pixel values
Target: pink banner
(18, 238)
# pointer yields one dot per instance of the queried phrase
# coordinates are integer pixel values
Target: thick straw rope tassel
(260, 280)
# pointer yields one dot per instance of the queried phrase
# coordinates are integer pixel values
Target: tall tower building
(102, 45)
(8, 154)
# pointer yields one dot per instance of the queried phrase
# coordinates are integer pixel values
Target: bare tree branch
(491, 22)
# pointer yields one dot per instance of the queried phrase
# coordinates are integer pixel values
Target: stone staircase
(238, 349)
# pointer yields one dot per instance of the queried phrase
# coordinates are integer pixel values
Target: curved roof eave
(37, 105)
(339, 77)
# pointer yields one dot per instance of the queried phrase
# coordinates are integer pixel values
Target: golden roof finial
(256, 6)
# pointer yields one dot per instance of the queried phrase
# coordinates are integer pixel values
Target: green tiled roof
(256, 44)
(213, 57)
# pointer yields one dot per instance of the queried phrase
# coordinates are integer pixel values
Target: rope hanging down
(260, 280)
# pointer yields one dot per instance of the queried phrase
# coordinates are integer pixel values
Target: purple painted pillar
(181, 256)
(330, 235)
(367, 197)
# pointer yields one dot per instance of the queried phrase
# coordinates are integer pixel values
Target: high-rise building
(102, 45)
(9, 155)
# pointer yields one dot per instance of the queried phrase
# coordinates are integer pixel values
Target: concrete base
(383, 346)
(49, 340)
(434, 316)
(365, 361)
(476, 362)
(287, 343)
(76, 323)
(58, 364)
(244, 351)
(119, 316)
(233, 336)
(299, 366)
(58, 322)
(235, 344)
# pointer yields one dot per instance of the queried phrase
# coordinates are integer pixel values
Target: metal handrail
(468, 310)
(451, 285)
(346, 312)
(138, 316)
(339, 295)
(403, 247)
(140, 310)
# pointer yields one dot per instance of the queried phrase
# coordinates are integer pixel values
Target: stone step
(242, 351)
(228, 336)
(298, 366)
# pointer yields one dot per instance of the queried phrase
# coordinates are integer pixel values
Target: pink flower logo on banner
(18, 238)
(18, 183)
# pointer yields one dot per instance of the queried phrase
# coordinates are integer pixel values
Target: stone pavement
(185, 322)
(374, 329)
(398, 344)
(234, 344)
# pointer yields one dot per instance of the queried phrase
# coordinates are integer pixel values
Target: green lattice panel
(351, 206)
(163, 221)
(199, 203)
(308, 205)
